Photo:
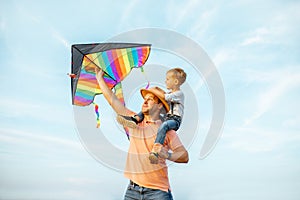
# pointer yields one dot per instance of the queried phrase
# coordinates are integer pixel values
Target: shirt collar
(153, 121)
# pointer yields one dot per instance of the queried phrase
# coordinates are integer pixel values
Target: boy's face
(171, 81)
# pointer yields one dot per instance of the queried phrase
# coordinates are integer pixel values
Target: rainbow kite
(115, 59)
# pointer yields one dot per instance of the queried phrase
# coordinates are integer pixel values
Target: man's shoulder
(172, 140)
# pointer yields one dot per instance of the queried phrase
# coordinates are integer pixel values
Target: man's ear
(162, 108)
(176, 81)
(160, 105)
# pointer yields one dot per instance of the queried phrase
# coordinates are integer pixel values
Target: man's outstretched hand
(99, 74)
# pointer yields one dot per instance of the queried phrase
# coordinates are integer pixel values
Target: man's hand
(110, 97)
(179, 155)
(99, 74)
(163, 153)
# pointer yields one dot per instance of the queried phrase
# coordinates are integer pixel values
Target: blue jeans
(135, 192)
(171, 123)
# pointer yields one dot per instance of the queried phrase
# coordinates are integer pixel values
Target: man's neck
(151, 118)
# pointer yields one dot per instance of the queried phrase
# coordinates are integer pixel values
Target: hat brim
(158, 95)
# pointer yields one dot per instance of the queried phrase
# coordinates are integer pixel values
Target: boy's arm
(110, 97)
(175, 97)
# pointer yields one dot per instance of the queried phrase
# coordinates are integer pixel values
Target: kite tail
(97, 114)
(147, 86)
(148, 82)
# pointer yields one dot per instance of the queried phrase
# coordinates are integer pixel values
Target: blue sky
(253, 44)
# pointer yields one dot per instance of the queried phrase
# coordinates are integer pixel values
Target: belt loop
(133, 184)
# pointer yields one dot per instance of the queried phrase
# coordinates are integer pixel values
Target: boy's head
(179, 74)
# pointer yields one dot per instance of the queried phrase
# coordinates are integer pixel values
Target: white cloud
(15, 107)
(258, 36)
(61, 39)
(224, 55)
(280, 27)
(34, 138)
(253, 40)
(27, 14)
(22, 110)
(127, 13)
(280, 86)
(257, 139)
(184, 11)
(271, 88)
(204, 20)
(284, 22)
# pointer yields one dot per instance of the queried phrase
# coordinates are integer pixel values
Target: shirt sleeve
(175, 97)
(173, 140)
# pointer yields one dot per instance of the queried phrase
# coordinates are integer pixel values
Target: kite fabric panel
(115, 59)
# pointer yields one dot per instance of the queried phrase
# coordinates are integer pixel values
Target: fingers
(163, 153)
(99, 71)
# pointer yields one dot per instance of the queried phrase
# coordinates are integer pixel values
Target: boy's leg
(139, 117)
(164, 128)
(160, 138)
(129, 121)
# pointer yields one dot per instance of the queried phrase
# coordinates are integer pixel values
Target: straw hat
(159, 93)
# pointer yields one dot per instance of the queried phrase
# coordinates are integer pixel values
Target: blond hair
(179, 74)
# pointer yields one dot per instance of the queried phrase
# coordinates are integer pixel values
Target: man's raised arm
(110, 97)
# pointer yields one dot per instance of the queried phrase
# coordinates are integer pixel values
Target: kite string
(97, 114)
(144, 73)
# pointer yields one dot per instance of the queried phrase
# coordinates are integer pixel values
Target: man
(147, 180)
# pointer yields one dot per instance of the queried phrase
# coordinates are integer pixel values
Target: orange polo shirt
(138, 167)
